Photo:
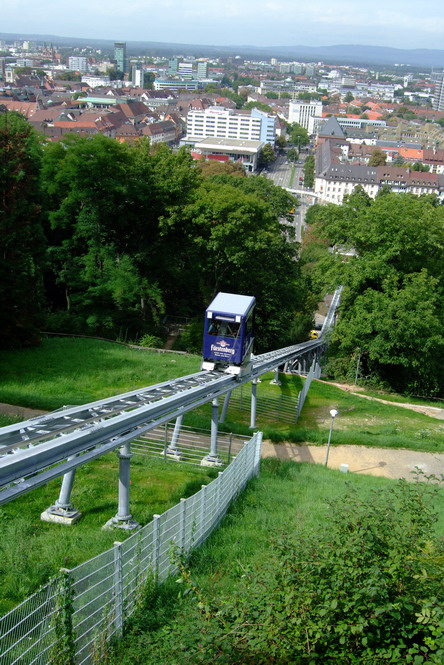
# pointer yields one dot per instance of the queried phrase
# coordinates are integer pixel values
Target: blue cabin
(228, 333)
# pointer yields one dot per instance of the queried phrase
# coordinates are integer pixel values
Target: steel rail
(107, 424)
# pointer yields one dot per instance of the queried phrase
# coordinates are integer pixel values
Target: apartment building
(438, 97)
(335, 179)
(78, 64)
(223, 123)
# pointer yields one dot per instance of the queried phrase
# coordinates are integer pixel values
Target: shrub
(366, 588)
(150, 341)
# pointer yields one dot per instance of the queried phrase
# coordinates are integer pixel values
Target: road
(279, 172)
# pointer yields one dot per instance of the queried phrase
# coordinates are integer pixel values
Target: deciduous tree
(22, 243)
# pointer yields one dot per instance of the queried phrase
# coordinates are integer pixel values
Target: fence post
(257, 453)
(230, 443)
(253, 404)
(63, 651)
(156, 546)
(183, 520)
(118, 588)
(203, 501)
(218, 493)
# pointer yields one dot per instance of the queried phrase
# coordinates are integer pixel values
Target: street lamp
(333, 413)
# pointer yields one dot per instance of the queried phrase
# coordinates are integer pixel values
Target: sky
(395, 23)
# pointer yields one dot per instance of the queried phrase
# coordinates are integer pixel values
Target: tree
(364, 588)
(258, 105)
(263, 264)
(148, 80)
(281, 142)
(298, 135)
(392, 301)
(212, 167)
(106, 200)
(348, 97)
(266, 155)
(419, 166)
(70, 76)
(22, 243)
(292, 155)
(377, 158)
(309, 171)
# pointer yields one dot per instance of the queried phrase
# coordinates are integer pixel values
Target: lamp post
(333, 413)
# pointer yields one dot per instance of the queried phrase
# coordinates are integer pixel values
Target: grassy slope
(155, 486)
(75, 371)
(286, 497)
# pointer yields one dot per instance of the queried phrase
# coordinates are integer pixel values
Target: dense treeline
(99, 237)
(391, 322)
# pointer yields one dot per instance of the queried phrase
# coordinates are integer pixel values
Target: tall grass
(31, 550)
(287, 497)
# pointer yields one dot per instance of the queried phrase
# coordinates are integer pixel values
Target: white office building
(185, 70)
(224, 123)
(302, 112)
(202, 69)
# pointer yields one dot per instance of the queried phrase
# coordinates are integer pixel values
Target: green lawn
(66, 370)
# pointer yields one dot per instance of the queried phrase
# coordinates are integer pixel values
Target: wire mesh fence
(189, 445)
(72, 618)
(272, 408)
(314, 373)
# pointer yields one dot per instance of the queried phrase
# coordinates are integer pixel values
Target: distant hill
(339, 54)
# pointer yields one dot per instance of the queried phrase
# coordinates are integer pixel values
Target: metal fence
(72, 618)
(314, 373)
(279, 407)
(192, 444)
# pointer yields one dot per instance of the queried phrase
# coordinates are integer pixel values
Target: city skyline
(398, 24)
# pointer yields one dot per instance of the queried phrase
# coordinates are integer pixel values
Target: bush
(366, 588)
(150, 341)
(191, 338)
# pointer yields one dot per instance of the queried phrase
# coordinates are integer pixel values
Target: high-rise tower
(120, 56)
(438, 97)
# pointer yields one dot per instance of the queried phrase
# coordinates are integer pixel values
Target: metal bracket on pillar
(62, 512)
(225, 406)
(213, 459)
(275, 381)
(172, 452)
(123, 519)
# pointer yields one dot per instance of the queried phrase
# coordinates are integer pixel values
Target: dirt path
(360, 459)
(19, 411)
(433, 411)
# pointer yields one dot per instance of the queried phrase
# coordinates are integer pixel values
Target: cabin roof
(231, 303)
